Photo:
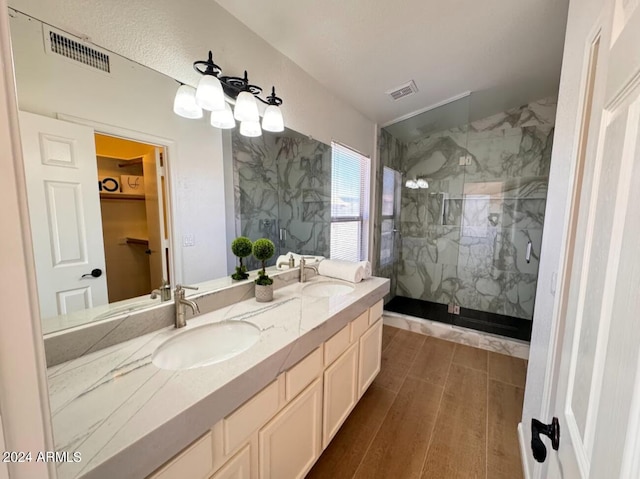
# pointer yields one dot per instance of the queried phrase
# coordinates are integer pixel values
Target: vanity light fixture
(185, 104)
(417, 183)
(223, 119)
(250, 128)
(210, 95)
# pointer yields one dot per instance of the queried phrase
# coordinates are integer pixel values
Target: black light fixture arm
(210, 68)
(233, 86)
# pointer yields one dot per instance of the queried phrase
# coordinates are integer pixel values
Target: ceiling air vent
(77, 51)
(407, 89)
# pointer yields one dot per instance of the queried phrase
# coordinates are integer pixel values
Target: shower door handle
(527, 256)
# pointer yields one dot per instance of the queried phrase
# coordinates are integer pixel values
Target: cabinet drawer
(303, 373)
(359, 326)
(375, 312)
(194, 462)
(336, 345)
(249, 417)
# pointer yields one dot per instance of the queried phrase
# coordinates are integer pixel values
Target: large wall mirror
(125, 196)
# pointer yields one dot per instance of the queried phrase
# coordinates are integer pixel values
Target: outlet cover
(450, 308)
(456, 309)
(188, 240)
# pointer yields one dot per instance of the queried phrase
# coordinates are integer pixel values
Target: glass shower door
(390, 238)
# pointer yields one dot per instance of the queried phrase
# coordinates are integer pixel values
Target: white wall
(582, 18)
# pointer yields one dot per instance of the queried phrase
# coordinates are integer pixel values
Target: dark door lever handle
(552, 431)
(95, 273)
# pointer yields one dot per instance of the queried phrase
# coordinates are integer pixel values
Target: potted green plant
(241, 247)
(263, 250)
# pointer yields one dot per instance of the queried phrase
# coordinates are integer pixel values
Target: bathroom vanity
(268, 412)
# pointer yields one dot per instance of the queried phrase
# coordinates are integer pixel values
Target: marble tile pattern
(283, 183)
(464, 239)
(457, 334)
(127, 417)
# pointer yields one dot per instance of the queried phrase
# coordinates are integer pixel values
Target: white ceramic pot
(264, 293)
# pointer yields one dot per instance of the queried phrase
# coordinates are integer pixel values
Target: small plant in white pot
(241, 247)
(263, 250)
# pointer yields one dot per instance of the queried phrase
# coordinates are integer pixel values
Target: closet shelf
(120, 196)
(141, 241)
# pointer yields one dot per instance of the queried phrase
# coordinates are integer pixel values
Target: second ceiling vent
(404, 90)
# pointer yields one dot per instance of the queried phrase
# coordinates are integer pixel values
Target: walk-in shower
(463, 192)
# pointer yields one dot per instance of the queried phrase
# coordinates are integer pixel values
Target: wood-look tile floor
(437, 410)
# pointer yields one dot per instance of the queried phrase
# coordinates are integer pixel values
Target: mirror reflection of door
(133, 217)
(95, 241)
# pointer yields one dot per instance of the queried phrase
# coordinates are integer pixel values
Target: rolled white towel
(345, 270)
(367, 268)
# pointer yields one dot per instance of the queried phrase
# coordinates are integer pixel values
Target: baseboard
(524, 450)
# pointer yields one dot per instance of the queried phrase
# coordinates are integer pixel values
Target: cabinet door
(238, 467)
(370, 356)
(292, 441)
(340, 392)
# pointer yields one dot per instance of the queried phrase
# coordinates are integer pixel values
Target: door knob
(552, 431)
(95, 273)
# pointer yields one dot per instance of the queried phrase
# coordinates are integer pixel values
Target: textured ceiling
(359, 49)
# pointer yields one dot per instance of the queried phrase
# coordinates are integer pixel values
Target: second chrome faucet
(181, 302)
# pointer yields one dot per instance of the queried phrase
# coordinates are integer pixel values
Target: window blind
(349, 203)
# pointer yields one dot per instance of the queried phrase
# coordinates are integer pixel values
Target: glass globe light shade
(246, 108)
(223, 118)
(250, 128)
(272, 119)
(209, 94)
(422, 183)
(184, 104)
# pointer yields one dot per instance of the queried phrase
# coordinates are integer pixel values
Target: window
(349, 204)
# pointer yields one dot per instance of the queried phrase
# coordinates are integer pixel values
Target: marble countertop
(127, 417)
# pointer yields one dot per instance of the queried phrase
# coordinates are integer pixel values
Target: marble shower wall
(283, 183)
(391, 152)
(464, 239)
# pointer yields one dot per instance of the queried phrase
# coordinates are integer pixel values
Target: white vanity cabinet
(292, 441)
(281, 431)
(340, 392)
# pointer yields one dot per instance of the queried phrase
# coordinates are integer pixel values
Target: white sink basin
(326, 289)
(205, 345)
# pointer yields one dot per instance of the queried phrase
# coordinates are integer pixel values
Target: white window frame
(365, 199)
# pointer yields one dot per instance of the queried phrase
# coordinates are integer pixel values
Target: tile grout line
(435, 422)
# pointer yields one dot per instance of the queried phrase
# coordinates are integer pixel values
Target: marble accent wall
(464, 239)
(283, 182)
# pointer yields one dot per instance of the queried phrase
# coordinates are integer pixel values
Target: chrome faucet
(304, 266)
(291, 262)
(181, 302)
(164, 291)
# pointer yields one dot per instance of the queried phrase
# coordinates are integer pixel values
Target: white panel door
(64, 209)
(597, 375)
